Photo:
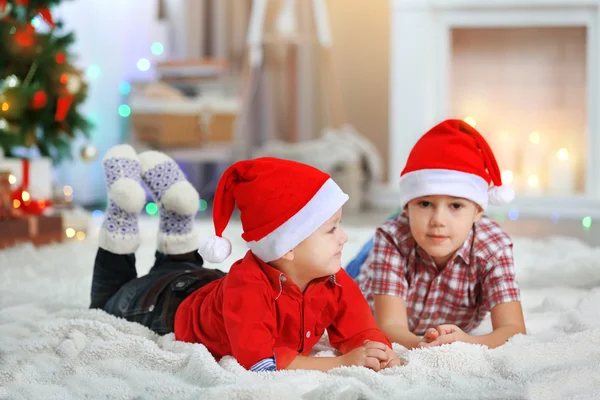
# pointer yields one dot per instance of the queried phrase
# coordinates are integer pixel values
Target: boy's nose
(344, 237)
(439, 217)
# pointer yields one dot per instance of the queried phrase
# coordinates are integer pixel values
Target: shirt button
(308, 334)
(180, 284)
(282, 278)
(151, 308)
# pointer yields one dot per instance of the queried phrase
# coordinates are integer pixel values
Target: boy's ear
(479, 214)
(289, 256)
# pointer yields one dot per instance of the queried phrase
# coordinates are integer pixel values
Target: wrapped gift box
(6, 207)
(183, 123)
(40, 175)
(13, 231)
(39, 230)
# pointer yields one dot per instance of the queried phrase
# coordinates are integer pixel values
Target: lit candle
(561, 173)
(532, 185)
(533, 155)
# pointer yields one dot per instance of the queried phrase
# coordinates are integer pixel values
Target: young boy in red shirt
(436, 269)
(276, 302)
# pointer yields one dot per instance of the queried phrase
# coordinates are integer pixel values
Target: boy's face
(441, 224)
(320, 254)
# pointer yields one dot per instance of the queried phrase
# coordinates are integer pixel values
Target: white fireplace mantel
(420, 56)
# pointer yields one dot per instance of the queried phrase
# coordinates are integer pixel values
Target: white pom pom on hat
(501, 195)
(215, 249)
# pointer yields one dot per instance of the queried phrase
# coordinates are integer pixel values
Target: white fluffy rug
(52, 347)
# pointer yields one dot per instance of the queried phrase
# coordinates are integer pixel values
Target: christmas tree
(40, 89)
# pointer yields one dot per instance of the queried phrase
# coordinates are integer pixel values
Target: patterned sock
(178, 203)
(126, 197)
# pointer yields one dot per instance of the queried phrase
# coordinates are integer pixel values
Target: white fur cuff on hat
(429, 182)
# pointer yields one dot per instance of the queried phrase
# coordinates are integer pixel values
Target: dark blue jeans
(150, 300)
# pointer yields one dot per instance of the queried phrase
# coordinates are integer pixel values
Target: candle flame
(533, 180)
(563, 154)
(12, 179)
(534, 137)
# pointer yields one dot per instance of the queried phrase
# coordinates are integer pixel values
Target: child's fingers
(446, 329)
(431, 344)
(379, 354)
(443, 339)
(369, 344)
(394, 362)
(431, 334)
(372, 363)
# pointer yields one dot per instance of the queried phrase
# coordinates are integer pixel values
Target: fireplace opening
(525, 90)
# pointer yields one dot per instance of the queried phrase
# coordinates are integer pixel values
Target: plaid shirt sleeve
(386, 267)
(499, 284)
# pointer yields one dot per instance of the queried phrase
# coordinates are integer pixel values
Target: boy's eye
(333, 229)
(425, 204)
(456, 206)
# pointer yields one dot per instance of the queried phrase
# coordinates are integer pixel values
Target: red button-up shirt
(256, 312)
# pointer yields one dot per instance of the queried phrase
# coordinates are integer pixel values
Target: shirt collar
(464, 251)
(280, 281)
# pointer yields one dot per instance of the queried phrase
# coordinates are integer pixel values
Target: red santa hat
(454, 159)
(281, 203)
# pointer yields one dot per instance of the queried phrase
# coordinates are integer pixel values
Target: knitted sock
(178, 203)
(126, 197)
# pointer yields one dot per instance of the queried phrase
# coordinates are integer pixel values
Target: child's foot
(126, 197)
(178, 203)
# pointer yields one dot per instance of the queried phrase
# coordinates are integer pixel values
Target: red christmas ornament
(25, 36)
(39, 100)
(60, 57)
(23, 3)
(62, 107)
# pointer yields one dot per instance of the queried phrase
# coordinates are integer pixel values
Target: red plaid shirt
(480, 276)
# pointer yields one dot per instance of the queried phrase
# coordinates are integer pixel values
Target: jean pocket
(185, 284)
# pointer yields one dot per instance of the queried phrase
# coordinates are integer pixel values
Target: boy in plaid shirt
(436, 269)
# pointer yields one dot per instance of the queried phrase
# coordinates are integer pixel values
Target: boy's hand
(431, 335)
(393, 360)
(370, 354)
(445, 334)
